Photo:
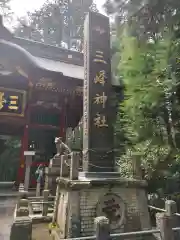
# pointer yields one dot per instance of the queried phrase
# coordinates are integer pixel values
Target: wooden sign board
(12, 102)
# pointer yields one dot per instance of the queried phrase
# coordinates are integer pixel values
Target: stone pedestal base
(123, 201)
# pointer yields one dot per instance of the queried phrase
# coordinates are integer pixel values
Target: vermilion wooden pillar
(25, 137)
(24, 147)
(63, 123)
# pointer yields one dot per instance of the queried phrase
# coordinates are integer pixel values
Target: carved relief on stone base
(112, 206)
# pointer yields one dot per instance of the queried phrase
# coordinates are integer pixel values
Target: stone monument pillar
(97, 112)
(99, 190)
(29, 156)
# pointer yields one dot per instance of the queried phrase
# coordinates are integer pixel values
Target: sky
(20, 7)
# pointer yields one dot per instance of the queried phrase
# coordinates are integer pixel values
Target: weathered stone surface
(22, 212)
(89, 200)
(102, 228)
(144, 217)
(23, 203)
(56, 202)
(63, 213)
(56, 160)
(165, 225)
(22, 208)
(64, 169)
(21, 229)
(51, 174)
(83, 204)
(22, 195)
(40, 231)
(74, 165)
(97, 123)
(101, 182)
(45, 206)
(171, 207)
(7, 207)
(54, 170)
(74, 218)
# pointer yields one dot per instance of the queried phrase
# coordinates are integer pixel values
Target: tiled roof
(50, 52)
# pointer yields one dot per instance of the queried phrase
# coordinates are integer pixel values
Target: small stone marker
(45, 205)
(22, 226)
(102, 228)
(21, 229)
(29, 156)
(164, 223)
(23, 208)
(170, 207)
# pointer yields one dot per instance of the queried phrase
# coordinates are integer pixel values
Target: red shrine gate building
(42, 104)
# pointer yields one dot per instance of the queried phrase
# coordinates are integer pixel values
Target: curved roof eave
(28, 55)
(68, 70)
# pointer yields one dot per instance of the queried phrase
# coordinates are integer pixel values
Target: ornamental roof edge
(42, 50)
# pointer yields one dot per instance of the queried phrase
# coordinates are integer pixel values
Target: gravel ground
(6, 217)
(40, 232)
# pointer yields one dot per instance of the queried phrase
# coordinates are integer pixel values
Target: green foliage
(9, 159)
(122, 6)
(5, 9)
(4, 6)
(56, 22)
(149, 112)
(147, 62)
(147, 18)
